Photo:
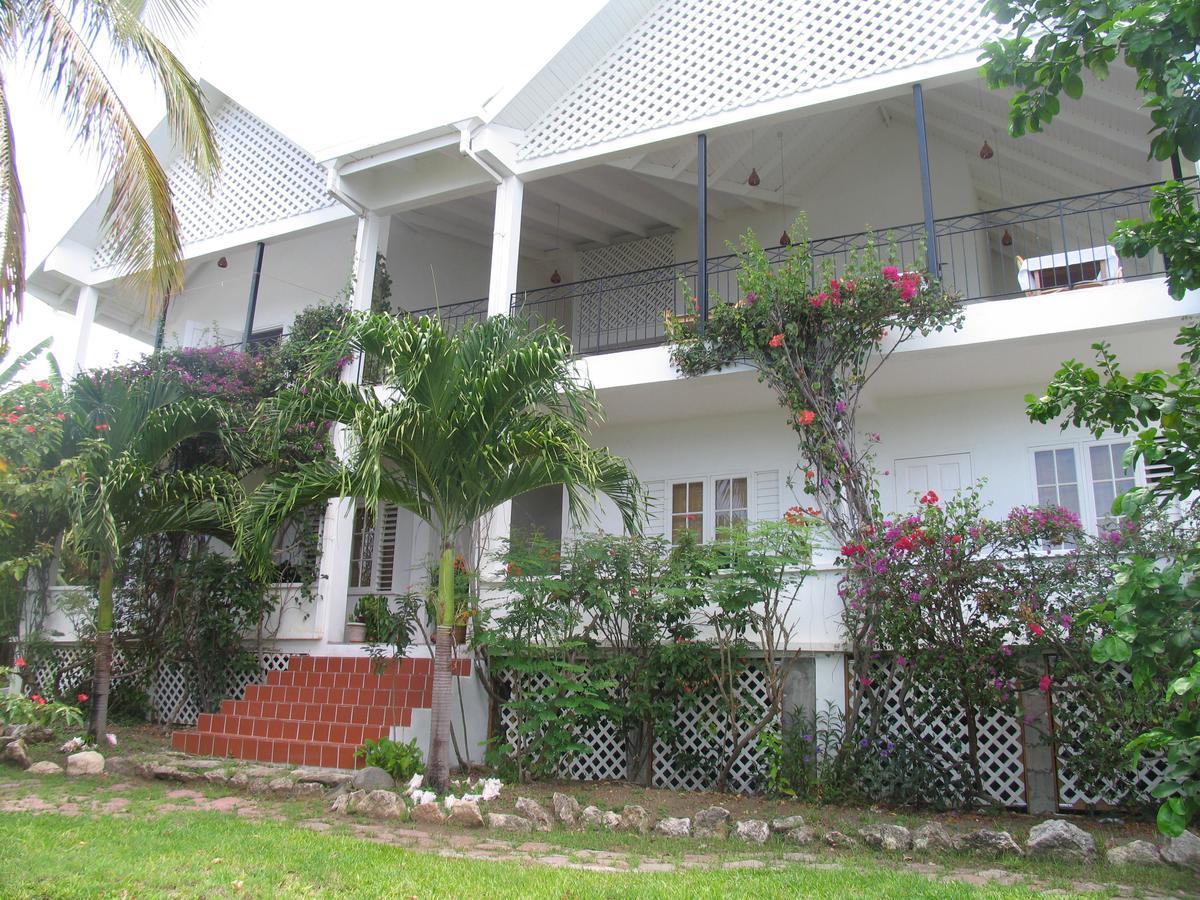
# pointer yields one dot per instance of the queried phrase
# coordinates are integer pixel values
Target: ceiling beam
(741, 191)
(642, 196)
(585, 201)
(425, 222)
(566, 220)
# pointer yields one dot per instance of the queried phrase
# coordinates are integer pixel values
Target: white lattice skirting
(68, 666)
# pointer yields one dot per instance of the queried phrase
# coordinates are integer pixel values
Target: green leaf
(1171, 820)
(1111, 648)
(1073, 86)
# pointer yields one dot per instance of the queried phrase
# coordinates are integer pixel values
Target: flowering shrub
(35, 709)
(817, 336)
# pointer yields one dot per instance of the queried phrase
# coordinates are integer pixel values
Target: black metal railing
(1034, 248)
(453, 315)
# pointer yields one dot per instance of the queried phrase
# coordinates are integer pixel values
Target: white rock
(1135, 853)
(886, 837)
(1061, 840)
(86, 762)
(535, 813)
(755, 831)
(45, 768)
(1183, 851)
(674, 827)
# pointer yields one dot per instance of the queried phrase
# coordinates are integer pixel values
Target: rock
(380, 805)
(1060, 840)
(428, 813)
(1135, 853)
(754, 831)
(15, 752)
(787, 823)
(123, 765)
(711, 823)
(674, 827)
(45, 768)
(635, 818)
(932, 836)
(839, 841)
(886, 837)
(592, 817)
(535, 813)
(343, 803)
(802, 836)
(280, 785)
(987, 841)
(465, 813)
(326, 777)
(1183, 851)
(373, 778)
(30, 734)
(505, 822)
(308, 789)
(171, 773)
(566, 808)
(86, 762)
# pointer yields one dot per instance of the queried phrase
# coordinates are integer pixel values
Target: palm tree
(59, 39)
(120, 486)
(458, 424)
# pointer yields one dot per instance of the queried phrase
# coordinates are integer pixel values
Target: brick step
(290, 730)
(345, 680)
(297, 753)
(309, 712)
(399, 699)
(365, 664)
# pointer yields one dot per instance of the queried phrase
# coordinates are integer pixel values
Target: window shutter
(656, 512)
(1156, 472)
(389, 520)
(766, 495)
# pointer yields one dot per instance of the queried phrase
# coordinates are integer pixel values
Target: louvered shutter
(766, 495)
(386, 528)
(656, 512)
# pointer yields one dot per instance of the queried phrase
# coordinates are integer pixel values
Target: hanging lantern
(986, 151)
(785, 240)
(754, 180)
(1006, 239)
(555, 278)
(222, 263)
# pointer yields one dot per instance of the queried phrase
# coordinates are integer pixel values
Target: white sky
(326, 75)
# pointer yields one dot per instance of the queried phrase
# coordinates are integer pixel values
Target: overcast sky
(326, 75)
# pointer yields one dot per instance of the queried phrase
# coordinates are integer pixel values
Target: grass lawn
(212, 855)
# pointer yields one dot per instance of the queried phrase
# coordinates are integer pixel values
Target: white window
(373, 548)
(731, 504)
(687, 510)
(708, 507)
(362, 549)
(1085, 478)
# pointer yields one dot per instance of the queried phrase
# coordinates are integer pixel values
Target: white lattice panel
(264, 178)
(703, 734)
(1122, 784)
(68, 666)
(693, 58)
(617, 312)
(1000, 736)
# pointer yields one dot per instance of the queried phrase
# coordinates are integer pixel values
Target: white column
(506, 245)
(85, 314)
(337, 529)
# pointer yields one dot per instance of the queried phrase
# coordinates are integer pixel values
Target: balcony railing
(454, 315)
(1034, 248)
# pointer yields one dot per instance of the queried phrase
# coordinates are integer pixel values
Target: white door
(944, 475)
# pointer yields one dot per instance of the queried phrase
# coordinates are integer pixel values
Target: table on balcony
(1085, 267)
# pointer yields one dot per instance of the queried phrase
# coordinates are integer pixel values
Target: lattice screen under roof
(264, 178)
(693, 58)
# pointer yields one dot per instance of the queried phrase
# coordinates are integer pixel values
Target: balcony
(1037, 248)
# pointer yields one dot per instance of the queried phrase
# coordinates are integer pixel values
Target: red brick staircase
(316, 712)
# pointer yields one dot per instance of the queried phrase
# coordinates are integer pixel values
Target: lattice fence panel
(693, 58)
(264, 178)
(1071, 717)
(1000, 736)
(632, 312)
(68, 666)
(704, 739)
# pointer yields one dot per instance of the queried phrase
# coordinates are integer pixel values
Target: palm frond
(12, 261)
(14, 369)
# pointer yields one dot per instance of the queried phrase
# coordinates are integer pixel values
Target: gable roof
(689, 59)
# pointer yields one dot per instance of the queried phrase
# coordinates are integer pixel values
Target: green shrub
(401, 761)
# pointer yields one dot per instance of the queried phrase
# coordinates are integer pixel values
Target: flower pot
(460, 633)
(356, 632)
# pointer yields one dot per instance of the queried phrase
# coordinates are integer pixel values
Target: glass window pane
(722, 491)
(679, 497)
(1102, 463)
(695, 496)
(1124, 484)
(1105, 495)
(740, 494)
(1065, 463)
(1047, 495)
(739, 517)
(723, 520)
(1043, 462)
(1118, 455)
(1068, 496)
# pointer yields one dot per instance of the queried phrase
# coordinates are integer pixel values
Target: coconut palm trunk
(102, 665)
(438, 764)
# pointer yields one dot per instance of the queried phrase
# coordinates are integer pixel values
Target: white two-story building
(575, 199)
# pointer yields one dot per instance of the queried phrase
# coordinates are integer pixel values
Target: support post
(506, 245)
(931, 254)
(702, 228)
(337, 528)
(1176, 167)
(252, 303)
(85, 315)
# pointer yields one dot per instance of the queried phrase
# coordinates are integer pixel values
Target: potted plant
(356, 628)
(460, 624)
(375, 612)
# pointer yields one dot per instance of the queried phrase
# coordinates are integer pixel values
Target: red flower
(44, 385)
(810, 474)
(38, 699)
(853, 549)
(776, 341)
(956, 538)
(61, 417)
(1037, 629)
(1044, 683)
(930, 498)
(102, 427)
(891, 273)
(30, 429)
(910, 284)
(848, 285)
(82, 698)
(805, 416)
(19, 662)
(818, 301)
